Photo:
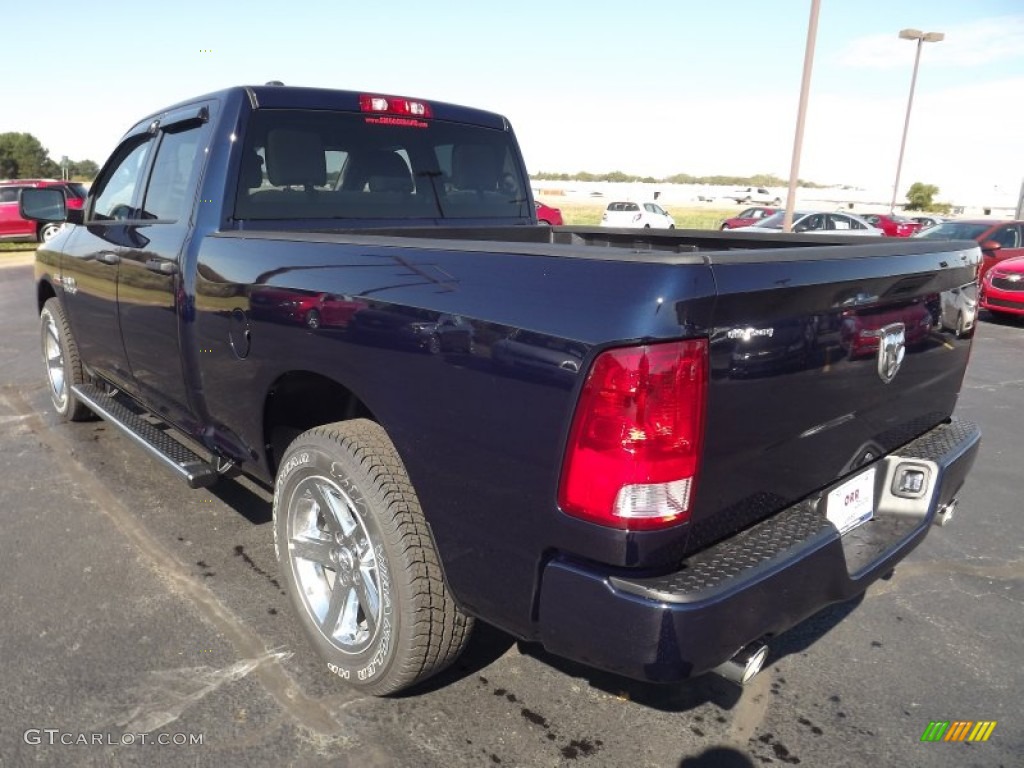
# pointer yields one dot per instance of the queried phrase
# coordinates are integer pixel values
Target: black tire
(343, 496)
(63, 364)
(777, 202)
(433, 345)
(671, 226)
(313, 319)
(961, 326)
(48, 231)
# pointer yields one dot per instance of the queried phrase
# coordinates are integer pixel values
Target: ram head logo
(891, 350)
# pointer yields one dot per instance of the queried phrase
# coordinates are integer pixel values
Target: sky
(652, 88)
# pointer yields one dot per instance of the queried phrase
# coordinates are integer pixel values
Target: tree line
(757, 180)
(22, 156)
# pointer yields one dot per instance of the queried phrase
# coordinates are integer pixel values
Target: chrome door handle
(162, 267)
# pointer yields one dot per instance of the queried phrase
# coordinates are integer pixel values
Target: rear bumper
(758, 583)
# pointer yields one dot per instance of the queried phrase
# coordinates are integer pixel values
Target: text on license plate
(853, 502)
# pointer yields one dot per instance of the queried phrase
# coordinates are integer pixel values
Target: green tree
(920, 196)
(22, 156)
(82, 170)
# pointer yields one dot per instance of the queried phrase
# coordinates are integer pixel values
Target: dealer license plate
(853, 502)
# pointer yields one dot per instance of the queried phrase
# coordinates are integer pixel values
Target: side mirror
(46, 204)
(991, 245)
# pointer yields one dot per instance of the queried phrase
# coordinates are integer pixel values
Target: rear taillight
(637, 217)
(636, 437)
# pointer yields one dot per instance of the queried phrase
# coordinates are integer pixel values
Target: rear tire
(63, 364)
(358, 561)
(961, 326)
(48, 231)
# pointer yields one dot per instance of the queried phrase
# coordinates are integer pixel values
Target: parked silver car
(816, 222)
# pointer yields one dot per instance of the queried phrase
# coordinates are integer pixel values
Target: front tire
(358, 561)
(63, 364)
(313, 319)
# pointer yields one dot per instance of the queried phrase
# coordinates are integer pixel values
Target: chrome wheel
(53, 356)
(334, 564)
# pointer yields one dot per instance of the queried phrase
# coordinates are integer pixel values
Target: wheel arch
(44, 292)
(299, 400)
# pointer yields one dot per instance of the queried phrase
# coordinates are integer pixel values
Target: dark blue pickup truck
(650, 452)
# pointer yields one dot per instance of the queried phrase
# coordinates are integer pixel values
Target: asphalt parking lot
(132, 605)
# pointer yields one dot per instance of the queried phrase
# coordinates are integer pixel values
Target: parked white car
(751, 195)
(816, 223)
(636, 216)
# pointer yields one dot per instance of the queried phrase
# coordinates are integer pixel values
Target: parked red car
(748, 217)
(999, 240)
(13, 227)
(1002, 289)
(893, 226)
(860, 332)
(548, 215)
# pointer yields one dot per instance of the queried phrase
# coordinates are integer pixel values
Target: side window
(814, 222)
(170, 184)
(116, 189)
(840, 222)
(9, 194)
(1008, 236)
(336, 161)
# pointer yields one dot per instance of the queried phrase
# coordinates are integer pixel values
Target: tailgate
(823, 360)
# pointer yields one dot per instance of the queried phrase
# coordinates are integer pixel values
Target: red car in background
(861, 331)
(548, 215)
(13, 227)
(999, 240)
(1002, 289)
(893, 226)
(748, 217)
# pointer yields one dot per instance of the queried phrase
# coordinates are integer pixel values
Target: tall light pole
(801, 114)
(921, 37)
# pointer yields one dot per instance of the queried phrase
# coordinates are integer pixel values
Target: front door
(150, 290)
(93, 254)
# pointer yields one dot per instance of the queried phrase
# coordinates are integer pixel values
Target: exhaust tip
(742, 667)
(945, 514)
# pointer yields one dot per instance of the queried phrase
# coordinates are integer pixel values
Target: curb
(17, 258)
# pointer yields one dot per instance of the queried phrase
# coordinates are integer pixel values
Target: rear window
(336, 165)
